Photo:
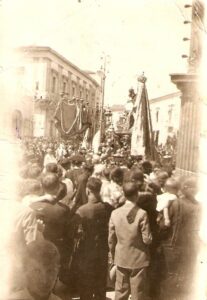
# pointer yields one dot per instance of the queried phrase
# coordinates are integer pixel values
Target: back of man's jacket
(55, 217)
(128, 241)
(94, 220)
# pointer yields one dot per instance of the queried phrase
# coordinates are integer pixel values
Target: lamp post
(104, 70)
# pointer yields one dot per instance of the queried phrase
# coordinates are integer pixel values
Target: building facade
(117, 116)
(17, 105)
(43, 75)
(165, 115)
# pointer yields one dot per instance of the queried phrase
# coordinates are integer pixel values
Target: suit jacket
(128, 243)
(94, 217)
(81, 197)
(185, 216)
(93, 249)
(56, 217)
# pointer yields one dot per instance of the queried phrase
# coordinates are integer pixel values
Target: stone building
(42, 76)
(165, 115)
(17, 104)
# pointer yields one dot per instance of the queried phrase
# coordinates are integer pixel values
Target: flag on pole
(142, 139)
(96, 141)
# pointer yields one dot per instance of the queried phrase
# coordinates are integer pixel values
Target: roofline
(165, 97)
(49, 49)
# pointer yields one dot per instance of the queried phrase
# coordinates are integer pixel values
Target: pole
(103, 95)
(102, 106)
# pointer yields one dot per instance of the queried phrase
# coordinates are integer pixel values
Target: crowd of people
(95, 222)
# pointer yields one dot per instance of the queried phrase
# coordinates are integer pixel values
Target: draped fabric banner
(96, 141)
(66, 118)
(142, 140)
(71, 118)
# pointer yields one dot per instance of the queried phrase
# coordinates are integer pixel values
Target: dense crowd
(94, 222)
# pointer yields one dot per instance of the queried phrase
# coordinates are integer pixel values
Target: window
(170, 111)
(37, 85)
(64, 87)
(157, 115)
(53, 84)
(73, 91)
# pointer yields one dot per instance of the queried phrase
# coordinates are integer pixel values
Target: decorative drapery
(71, 118)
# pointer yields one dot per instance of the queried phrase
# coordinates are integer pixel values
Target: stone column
(187, 160)
(190, 120)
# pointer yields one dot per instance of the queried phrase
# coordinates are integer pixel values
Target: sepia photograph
(103, 142)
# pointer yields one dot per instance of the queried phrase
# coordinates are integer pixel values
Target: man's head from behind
(136, 176)
(77, 160)
(41, 268)
(189, 187)
(88, 169)
(130, 191)
(32, 187)
(162, 176)
(34, 171)
(117, 175)
(50, 183)
(106, 173)
(172, 186)
(147, 167)
(54, 168)
(93, 186)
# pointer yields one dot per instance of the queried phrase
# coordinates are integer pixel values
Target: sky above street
(138, 35)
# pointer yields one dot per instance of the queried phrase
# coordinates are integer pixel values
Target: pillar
(187, 159)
